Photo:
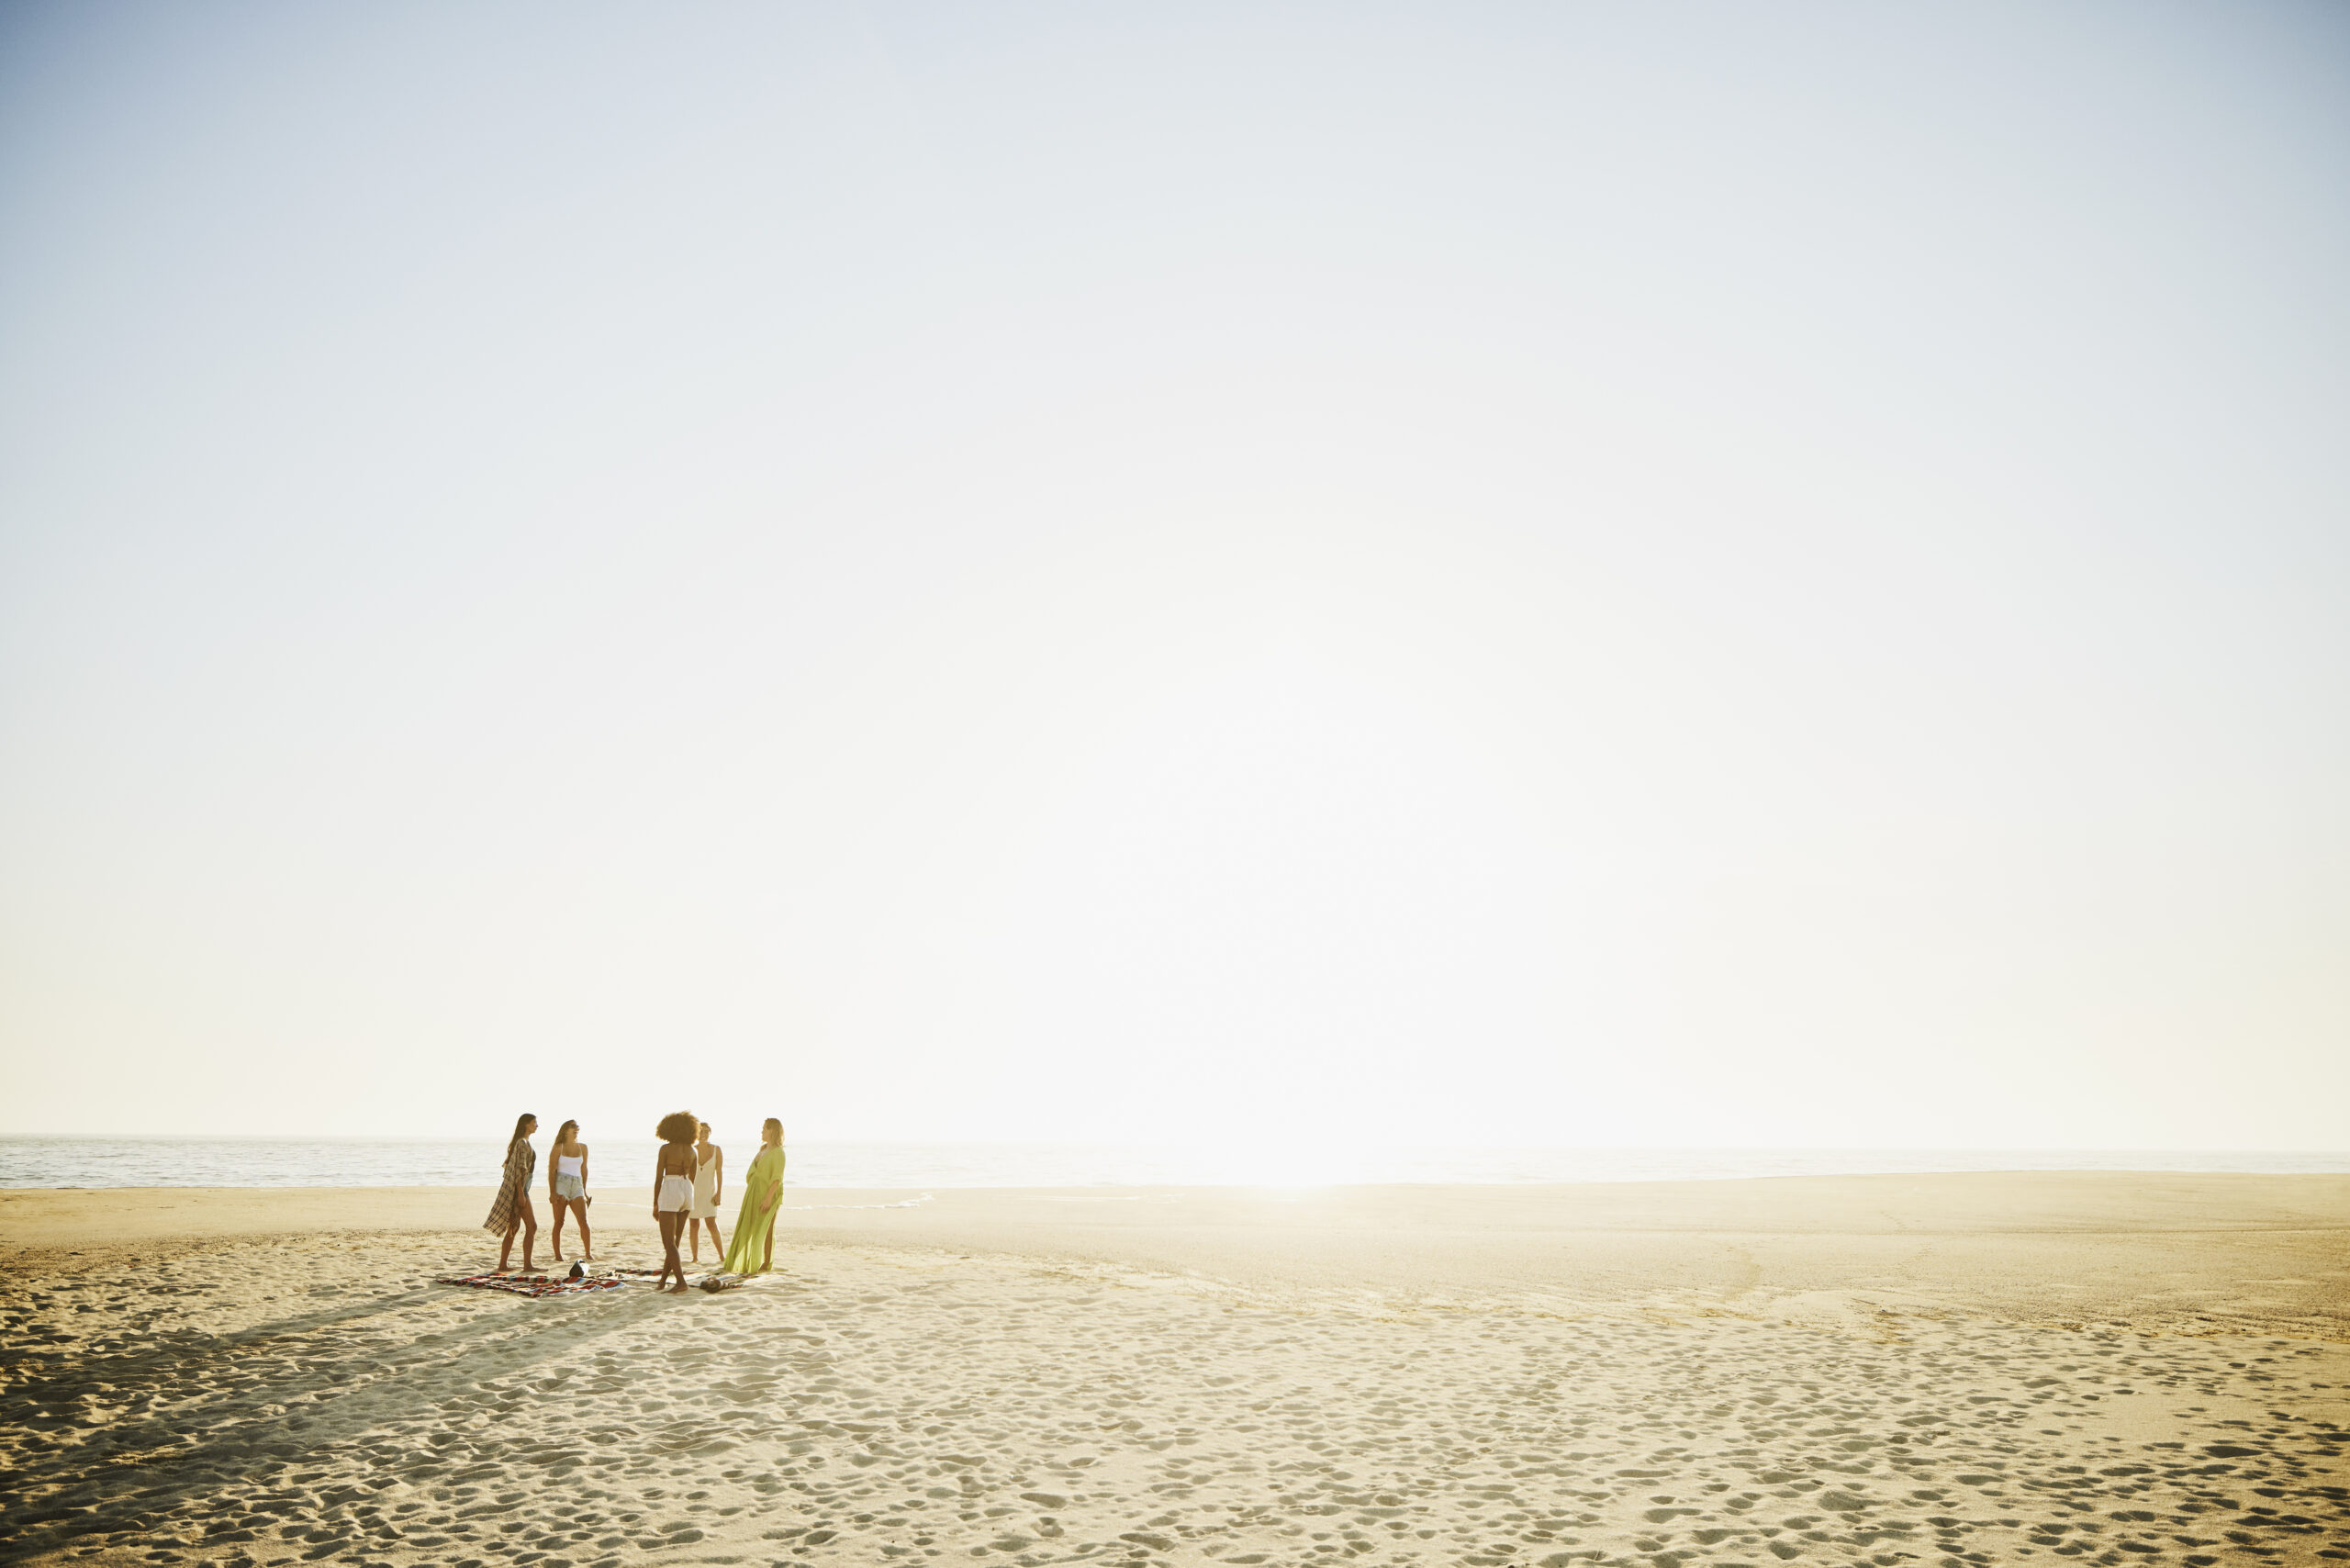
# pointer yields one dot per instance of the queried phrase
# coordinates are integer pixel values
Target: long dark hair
(519, 1121)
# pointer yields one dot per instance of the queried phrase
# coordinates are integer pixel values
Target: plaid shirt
(514, 1193)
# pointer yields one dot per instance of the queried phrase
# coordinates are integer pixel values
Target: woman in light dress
(511, 1210)
(753, 1249)
(568, 1187)
(710, 1185)
(673, 1191)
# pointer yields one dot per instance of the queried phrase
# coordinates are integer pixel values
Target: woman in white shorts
(567, 1186)
(673, 1191)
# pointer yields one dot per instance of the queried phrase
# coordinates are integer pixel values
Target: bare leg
(529, 1237)
(693, 1234)
(586, 1242)
(505, 1246)
(557, 1205)
(716, 1245)
(669, 1260)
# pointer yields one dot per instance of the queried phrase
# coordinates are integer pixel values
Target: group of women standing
(689, 1181)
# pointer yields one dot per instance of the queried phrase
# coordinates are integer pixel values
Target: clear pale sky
(1578, 574)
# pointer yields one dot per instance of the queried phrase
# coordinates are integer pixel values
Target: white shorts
(677, 1195)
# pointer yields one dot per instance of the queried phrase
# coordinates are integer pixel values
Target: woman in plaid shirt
(512, 1210)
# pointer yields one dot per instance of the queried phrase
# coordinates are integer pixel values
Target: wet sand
(1961, 1369)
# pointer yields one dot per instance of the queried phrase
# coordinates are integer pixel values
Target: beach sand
(1969, 1369)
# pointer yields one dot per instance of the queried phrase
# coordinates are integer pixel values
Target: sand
(1973, 1370)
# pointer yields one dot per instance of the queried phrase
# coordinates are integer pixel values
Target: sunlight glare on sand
(1281, 1164)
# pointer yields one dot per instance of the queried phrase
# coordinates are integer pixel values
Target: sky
(1311, 575)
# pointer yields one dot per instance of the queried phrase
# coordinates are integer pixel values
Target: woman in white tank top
(568, 1187)
(673, 1191)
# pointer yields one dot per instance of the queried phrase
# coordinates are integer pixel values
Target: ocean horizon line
(58, 1160)
(478, 1137)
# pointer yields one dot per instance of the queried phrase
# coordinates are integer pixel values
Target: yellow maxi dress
(751, 1228)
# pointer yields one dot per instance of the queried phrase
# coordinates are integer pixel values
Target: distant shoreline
(55, 1161)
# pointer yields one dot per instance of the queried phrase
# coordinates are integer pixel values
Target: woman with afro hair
(673, 1191)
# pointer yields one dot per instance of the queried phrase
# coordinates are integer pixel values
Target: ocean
(474, 1162)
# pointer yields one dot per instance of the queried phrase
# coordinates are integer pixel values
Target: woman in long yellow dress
(762, 1197)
